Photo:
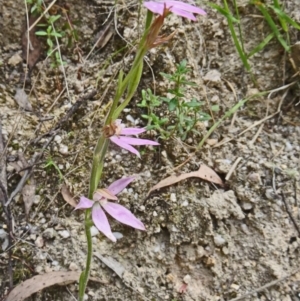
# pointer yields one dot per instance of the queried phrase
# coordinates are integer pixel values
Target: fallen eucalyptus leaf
(39, 282)
(204, 172)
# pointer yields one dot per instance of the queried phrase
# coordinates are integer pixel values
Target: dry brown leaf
(28, 193)
(67, 196)
(204, 172)
(39, 282)
(34, 45)
(104, 35)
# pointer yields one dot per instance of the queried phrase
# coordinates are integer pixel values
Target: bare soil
(203, 242)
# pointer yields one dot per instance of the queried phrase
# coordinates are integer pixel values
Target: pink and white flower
(117, 211)
(121, 139)
(177, 7)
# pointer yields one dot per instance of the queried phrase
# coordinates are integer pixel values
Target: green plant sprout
(49, 164)
(278, 26)
(151, 101)
(185, 113)
(65, 32)
(50, 32)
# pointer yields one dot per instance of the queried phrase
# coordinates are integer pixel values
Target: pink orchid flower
(177, 7)
(117, 211)
(121, 139)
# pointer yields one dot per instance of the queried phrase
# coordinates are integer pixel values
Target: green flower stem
(84, 277)
(132, 80)
(130, 83)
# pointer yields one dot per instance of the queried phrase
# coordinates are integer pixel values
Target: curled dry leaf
(204, 172)
(39, 282)
(67, 196)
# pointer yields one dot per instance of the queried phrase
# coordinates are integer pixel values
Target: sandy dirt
(203, 242)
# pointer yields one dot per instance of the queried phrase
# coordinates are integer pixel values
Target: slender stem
(84, 277)
(130, 83)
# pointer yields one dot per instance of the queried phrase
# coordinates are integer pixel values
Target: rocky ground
(203, 241)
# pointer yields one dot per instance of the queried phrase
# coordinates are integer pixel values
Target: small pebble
(235, 286)
(187, 279)
(219, 240)
(246, 205)
(63, 149)
(117, 235)
(130, 119)
(57, 139)
(64, 233)
(49, 233)
(173, 197)
(73, 266)
(39, 242)
(185, 203)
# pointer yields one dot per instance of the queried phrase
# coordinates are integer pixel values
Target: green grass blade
(273, 26)
(262, 44)
(283, 16)
(224, 12)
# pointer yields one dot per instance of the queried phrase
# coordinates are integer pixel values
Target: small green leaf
(56, 34)
(41, 33)
(215, 108)
(173, 104)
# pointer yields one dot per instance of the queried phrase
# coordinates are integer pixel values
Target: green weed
(56, 29)
(274, 15)
(49, 164)
(184, 113)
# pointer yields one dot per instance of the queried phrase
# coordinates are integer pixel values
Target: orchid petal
(183, 13)
(185, 6)
(101, 222)
(177, 7)
(123, 215)
(84, 203)
(137, 141)
(117, 186)
(124, 145)
(132, 131)
(156, 8)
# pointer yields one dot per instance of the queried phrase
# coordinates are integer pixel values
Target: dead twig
(289, 211)
(270, 284)
(6, 209)
(68, 115)
(52, 134)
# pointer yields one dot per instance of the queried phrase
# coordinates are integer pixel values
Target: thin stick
(42, 15)
(3, 188)
(289, 211)
(265, 286)
(233, 167)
